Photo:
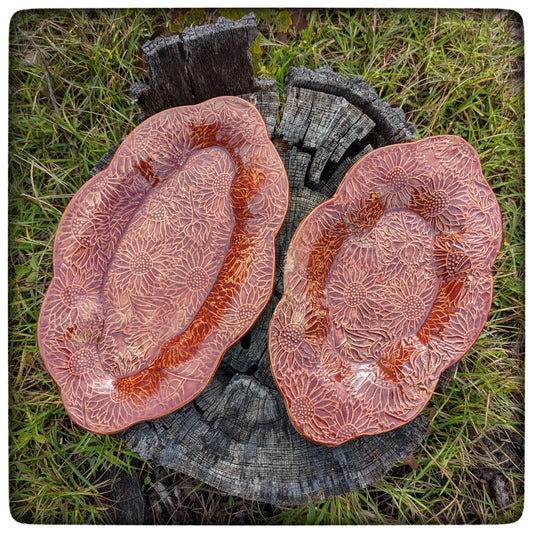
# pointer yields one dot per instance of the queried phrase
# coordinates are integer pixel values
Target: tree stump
(236, 435)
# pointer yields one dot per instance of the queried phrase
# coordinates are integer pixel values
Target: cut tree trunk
(236, 435)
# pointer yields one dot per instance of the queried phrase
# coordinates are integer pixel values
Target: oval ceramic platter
(161, 261)
(386, 284)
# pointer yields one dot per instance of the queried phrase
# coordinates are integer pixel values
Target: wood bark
(236, 435)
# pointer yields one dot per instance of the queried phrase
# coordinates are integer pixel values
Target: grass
(457, 72)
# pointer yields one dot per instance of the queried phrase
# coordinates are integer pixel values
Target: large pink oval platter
(161, 262)
(387, 284)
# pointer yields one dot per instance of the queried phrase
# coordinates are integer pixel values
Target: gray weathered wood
(390, 121)
(202, 63)
(321, 124)
(236, 436)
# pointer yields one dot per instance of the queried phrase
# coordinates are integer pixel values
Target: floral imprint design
(387, 284)
(161, 262)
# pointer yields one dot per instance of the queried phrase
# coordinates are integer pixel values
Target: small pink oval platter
(386, 284)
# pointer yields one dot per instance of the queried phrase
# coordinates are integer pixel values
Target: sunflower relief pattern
(161, 261)
(387, 284)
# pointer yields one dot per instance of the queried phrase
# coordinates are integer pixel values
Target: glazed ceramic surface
(162, 261)
(387, 284)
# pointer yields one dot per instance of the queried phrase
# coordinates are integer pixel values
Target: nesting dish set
(166, 258)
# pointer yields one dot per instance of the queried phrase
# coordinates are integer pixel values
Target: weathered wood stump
(236, 435)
